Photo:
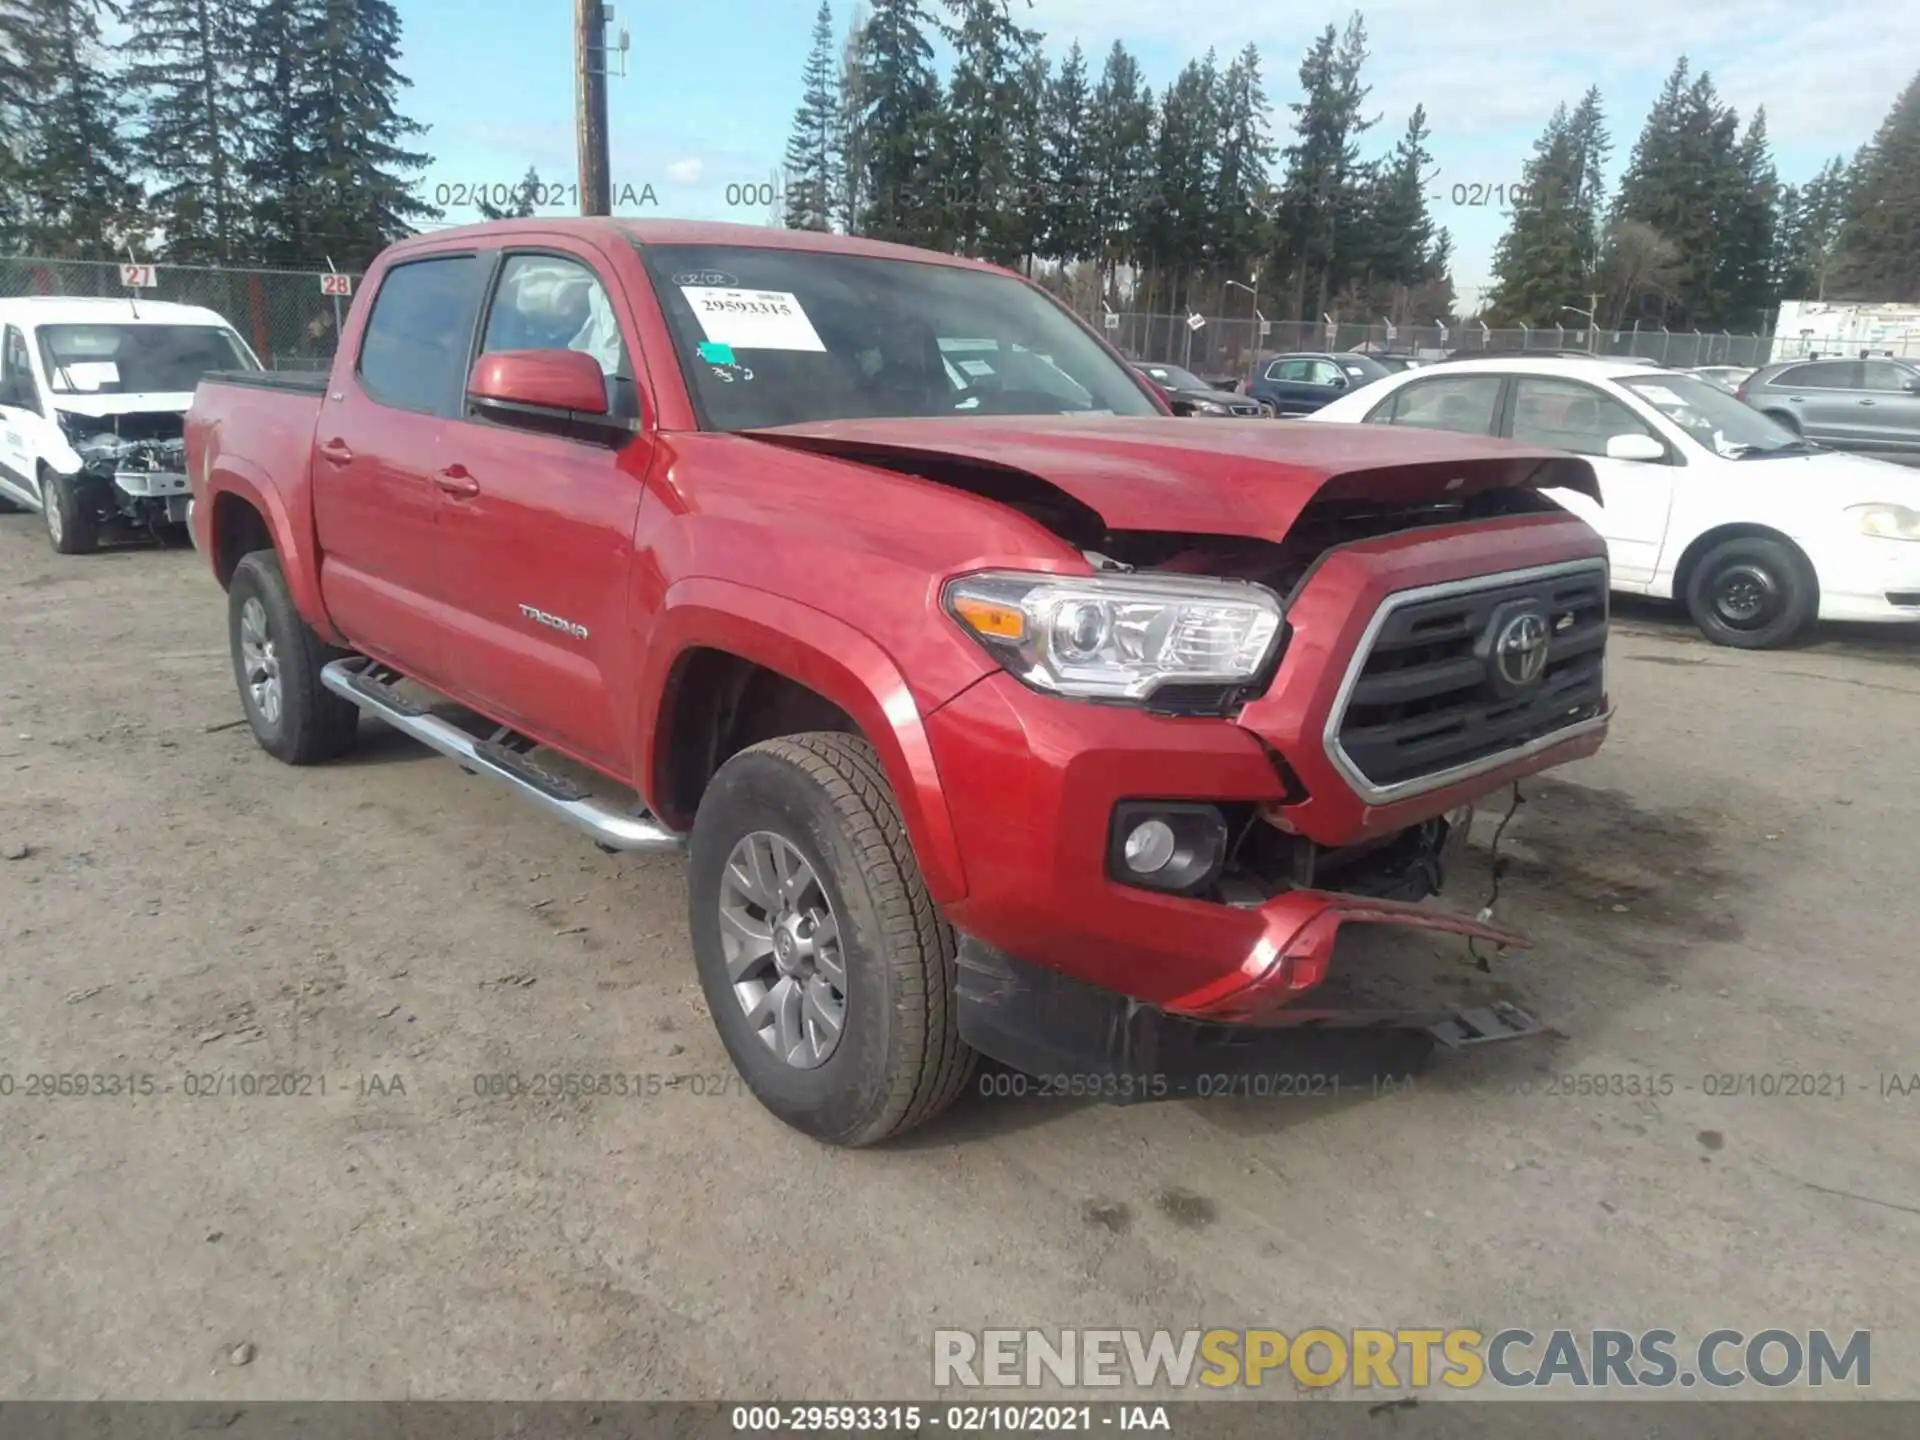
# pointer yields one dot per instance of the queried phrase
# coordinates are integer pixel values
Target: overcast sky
(711, 88)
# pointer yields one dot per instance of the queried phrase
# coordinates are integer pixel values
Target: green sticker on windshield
(715, 353)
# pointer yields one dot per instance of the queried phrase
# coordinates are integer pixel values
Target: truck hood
(1222, 477)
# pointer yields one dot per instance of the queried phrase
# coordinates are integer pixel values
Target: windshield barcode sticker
(752, 319)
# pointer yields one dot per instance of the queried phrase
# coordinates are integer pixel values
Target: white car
(1756, 530)
(93, 403)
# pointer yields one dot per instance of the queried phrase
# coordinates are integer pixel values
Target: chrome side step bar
(360, 681)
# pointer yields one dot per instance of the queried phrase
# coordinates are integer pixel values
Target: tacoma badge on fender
(554, 622)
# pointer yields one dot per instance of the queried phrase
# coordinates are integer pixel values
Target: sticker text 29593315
(752, 319)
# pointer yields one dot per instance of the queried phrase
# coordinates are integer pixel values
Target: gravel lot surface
(1729, 890)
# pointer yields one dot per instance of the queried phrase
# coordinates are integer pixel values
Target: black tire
(72, 527)
(899, 1060)
(1753, 594)
(314, 724)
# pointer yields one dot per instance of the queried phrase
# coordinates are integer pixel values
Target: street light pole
(1593, 324)
(1259, 320)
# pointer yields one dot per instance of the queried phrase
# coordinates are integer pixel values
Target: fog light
(1170, 845)
(1150, 847)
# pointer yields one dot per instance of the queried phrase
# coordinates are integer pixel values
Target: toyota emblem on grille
(1520, 649)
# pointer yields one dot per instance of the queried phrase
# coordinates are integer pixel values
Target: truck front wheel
(828, 971)
(277, 660)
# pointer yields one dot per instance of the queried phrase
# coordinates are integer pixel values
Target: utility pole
(590, 104)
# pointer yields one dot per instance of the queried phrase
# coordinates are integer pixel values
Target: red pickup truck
(999, 711)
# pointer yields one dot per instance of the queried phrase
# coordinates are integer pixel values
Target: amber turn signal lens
(984, 617)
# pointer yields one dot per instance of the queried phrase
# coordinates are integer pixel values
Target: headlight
(1889, 522)
(1210, 407)
(1118, 637)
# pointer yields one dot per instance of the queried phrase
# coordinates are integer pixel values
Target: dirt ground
(1729, 889)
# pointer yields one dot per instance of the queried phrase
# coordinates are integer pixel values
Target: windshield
(137, 359)
(1174, 378)
(1715, 418)
(784, 337)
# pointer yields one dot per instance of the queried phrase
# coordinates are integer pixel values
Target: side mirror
(1913, 386)
(1339, 382)
(1635, 447)
(563, 380)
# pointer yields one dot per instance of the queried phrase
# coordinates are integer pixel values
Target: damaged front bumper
(1088, 1040)
(135, 471)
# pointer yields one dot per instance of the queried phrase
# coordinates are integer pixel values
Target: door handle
(1866, 402)
(336, 452)
(455, 480)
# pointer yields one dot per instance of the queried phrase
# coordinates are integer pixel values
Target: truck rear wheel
(277, 660)
(828, 971)
(72, 528)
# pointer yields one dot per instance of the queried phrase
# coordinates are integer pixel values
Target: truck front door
(538, 515)
(375, 503)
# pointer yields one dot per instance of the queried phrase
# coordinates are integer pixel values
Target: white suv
(1707, 501)
(93, 402)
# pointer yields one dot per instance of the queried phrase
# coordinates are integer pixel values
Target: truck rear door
(538, 510)
(395, 385)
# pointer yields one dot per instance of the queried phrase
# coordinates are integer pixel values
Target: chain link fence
(283, 314)
(292, 324)
(1229, 348)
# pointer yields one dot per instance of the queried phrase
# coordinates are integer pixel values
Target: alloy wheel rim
(50, 508)
(260, 660)
(782, 946)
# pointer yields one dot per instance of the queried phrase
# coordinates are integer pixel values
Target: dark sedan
(1300, 384)
(1188, 394)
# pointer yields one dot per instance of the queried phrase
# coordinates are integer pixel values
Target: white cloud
(687, 171)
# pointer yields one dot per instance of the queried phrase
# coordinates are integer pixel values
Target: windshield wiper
(1792, 447)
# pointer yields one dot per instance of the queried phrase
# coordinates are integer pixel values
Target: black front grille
(1430, 698)
(1243, 409)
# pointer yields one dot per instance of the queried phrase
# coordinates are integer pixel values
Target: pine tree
(898, 124)
(976, 145)
(1178, 222)
(1072, 229)
(20, 65)
(1122, 126)
(523, 204)
(1320, 215)
(1811, 216)
(76, 163)
(363, 169)
(194, 122)
(849, 206)
(1549, 257)
(811, 148)
(1398, 221)
(1684, 183)
(1878, 256)
(328, 152)
(1746, 261)
(1019, 232)
(1246, 156)
(275, 169)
